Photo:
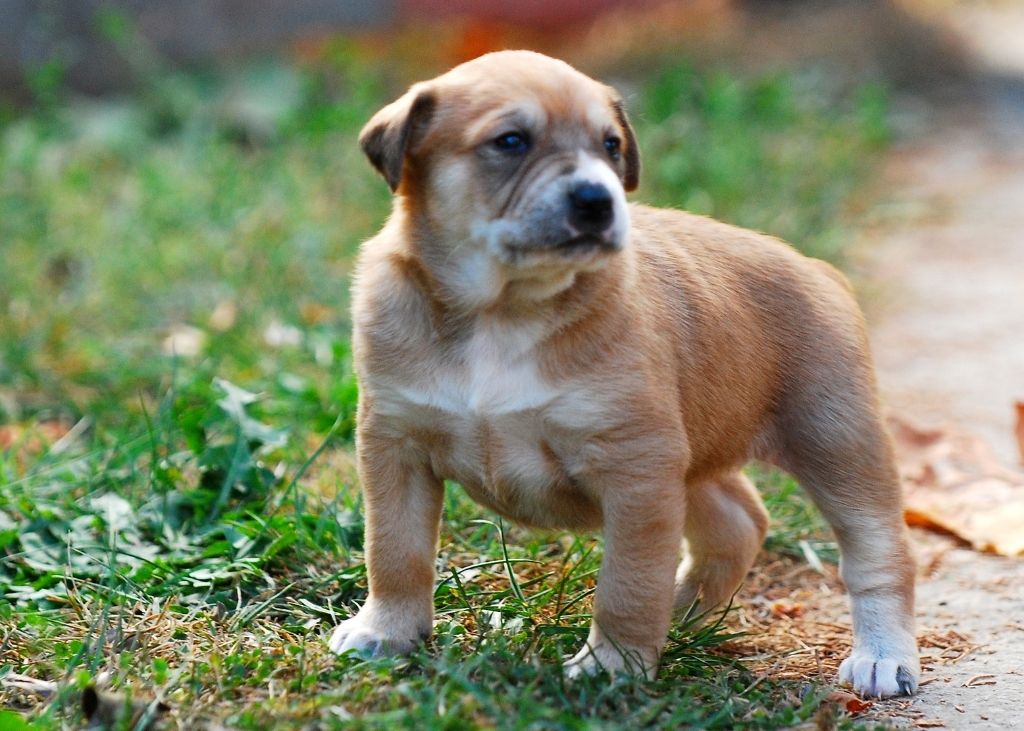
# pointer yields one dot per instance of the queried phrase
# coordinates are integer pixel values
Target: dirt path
(948, 336)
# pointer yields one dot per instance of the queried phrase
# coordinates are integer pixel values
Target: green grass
(198, 532)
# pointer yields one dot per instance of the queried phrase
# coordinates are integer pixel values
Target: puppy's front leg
(633, 603)
(403, 512)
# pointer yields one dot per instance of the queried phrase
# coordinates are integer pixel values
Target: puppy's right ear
(631, 178)
(393, 132)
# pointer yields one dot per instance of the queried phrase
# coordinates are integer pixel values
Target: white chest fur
(493, 372)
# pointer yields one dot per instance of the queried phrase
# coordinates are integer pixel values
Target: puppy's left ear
(631, 153)
(392, 132)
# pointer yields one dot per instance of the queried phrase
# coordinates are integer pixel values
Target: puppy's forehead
(535, 88)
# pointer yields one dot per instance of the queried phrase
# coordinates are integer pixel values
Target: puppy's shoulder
(389, 289)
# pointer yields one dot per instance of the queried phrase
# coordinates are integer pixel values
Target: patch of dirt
(970, 614)
(949, 334)
(982, 598)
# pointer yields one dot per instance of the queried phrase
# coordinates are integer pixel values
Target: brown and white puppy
(575, 361)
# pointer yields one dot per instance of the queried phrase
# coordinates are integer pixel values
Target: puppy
(574, 361)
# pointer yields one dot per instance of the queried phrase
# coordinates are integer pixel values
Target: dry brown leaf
(849, 701)
(785, 608)
(953, 482)
(1019, 429)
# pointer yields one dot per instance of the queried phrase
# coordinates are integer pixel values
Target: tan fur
(618, 390)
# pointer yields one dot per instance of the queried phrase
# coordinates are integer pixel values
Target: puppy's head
(517, 163)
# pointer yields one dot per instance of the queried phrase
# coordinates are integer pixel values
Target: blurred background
(180, 187)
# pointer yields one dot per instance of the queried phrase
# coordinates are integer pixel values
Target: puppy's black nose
(590, 208)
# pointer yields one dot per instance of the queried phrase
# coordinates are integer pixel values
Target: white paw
(605, 657)
(880, 677)
(374, 632)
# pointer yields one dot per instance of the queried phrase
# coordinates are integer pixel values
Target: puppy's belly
(507, 463)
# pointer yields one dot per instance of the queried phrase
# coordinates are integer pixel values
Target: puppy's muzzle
(590, 219)
(591, 208)
(574, 218)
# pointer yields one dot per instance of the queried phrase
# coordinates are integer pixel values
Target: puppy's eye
(512, 143)
(614, 147)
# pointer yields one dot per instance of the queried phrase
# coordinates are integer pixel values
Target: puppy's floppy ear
(393, 131)
(631, 154)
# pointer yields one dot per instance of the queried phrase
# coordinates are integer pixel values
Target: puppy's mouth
(575, 247)
(585, 244)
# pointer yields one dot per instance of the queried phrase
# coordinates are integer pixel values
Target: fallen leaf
(849, 701)
(953, 482)
(783, 608)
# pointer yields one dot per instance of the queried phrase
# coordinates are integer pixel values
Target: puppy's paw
(373, 633)
(873, 676)
(606, 657)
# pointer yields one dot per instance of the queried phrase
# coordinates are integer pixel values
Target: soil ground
(948, 334)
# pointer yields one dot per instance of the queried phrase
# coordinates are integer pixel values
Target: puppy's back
(758, 328)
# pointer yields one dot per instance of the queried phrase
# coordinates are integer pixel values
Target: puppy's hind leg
(841, 455)
(725, 526)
